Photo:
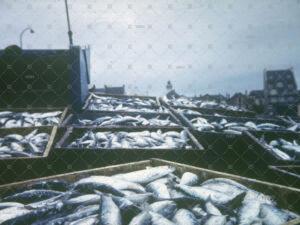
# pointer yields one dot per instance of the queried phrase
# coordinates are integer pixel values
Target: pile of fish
(120, 120)
(295, 125)
(223, 125)
(24, 119)
(284, 149)
(129, 104)
(131, 140)
(30, 145)
(188, 112)
(190, 102)
(153, 196)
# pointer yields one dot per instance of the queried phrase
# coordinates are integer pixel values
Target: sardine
(185, 217)
(157, 219)
(189, 179)
(215, 220)
(146, 176)
(165, 208)
(144, 218)
(110, 181)
(109, 213)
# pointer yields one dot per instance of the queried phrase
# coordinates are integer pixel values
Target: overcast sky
(201, 46)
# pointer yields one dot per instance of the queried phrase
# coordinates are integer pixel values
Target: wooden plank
(50, 142)
(63, 115)
(195, 141)
(283, 170)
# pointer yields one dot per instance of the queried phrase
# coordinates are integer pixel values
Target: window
(273, 92)
(273, 100)
(279, 84)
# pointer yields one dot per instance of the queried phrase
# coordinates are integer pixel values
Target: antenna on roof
(70, 33)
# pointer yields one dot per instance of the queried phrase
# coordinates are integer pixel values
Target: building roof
(257, 93)
(109, 90)
(115, 90)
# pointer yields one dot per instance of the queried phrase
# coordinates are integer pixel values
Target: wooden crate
(72, 159)
(286, 197)
(71, 119)
(186, 118)
(208, 111)
(20, 168)
(38, 110)
(157, 106)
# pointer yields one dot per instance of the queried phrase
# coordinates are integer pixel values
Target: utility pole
(70, 33)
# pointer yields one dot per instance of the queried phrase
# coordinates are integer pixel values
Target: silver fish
(144, 218)
(11, 213)
(89, 220)
(271, 215)
(159, 190)
(189, 179)
(157, 219)
(185, 217)
(211, 209)
(109, 213)
(4, 205)
(215, 220)
(83, 200)
(205, 194)
(146, 176)
(165, 208)
(114, 182)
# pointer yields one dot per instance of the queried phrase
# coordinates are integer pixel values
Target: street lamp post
(70, 33)
(22, 33)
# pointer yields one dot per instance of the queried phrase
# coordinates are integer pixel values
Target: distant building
(109, 90)
(169, 86)
(280, 92)
(217, 98)
(239, 99)
(258, 97)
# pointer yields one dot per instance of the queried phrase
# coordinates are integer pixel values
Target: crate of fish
(289, 173)
(232, 125)
(123, 103)
(156, 192)
(22, 150)
(233, 154)
(238, 154)
(277, 147)
(24, 117)
(121, 119)
(205, 107)
(82, 148)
